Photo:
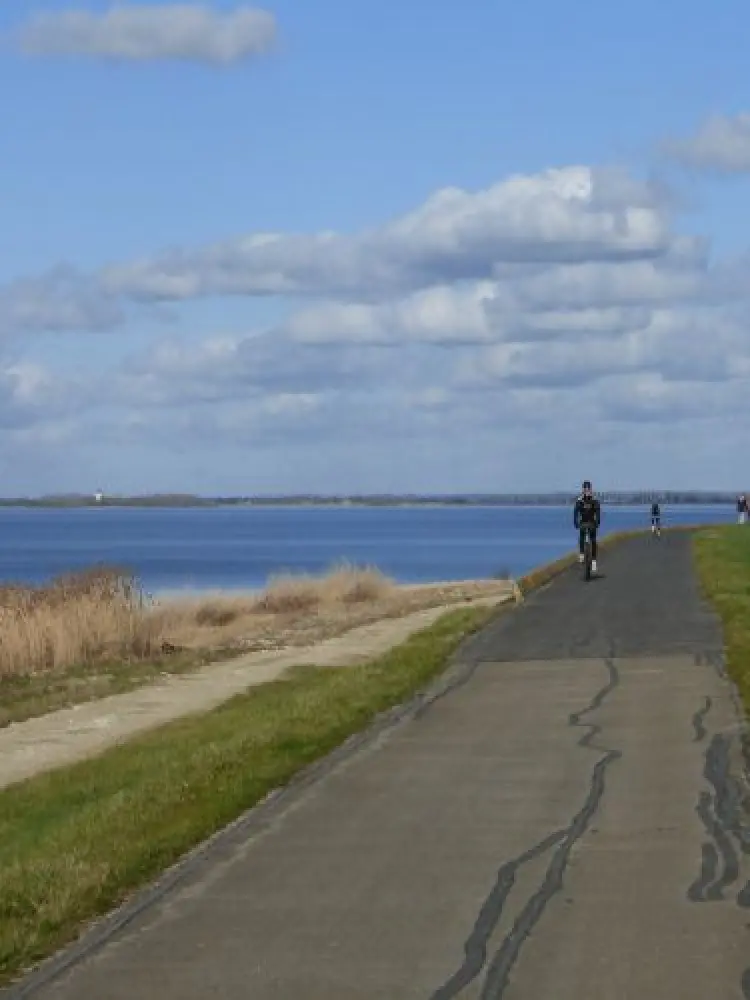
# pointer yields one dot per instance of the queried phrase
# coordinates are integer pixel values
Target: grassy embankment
(74, 842)
(722, 557)
(93, 634)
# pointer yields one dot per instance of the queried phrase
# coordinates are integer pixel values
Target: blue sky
(587, 282)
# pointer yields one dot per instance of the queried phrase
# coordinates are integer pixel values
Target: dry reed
(80, 619)
(102, 615)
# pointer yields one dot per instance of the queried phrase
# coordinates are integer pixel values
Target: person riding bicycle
(655, 517)
(587, 513)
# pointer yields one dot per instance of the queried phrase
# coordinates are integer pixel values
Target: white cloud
(567, 238)
(605, 284)
(650, 397)
(460, 316)
(721, 143)
(60, 300)
(148, 32)
(32, 396)
(507, 317)
(569, 215)
(441, 315)
(679, 345)
(573, 324)
(604, 363)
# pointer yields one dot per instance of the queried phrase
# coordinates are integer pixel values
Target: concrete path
(71, 734)
(561, 819)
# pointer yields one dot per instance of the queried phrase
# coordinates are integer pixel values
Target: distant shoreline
(172, 501)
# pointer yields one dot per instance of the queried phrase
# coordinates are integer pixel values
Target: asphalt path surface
(563, 817)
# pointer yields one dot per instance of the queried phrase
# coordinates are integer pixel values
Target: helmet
(587, 484)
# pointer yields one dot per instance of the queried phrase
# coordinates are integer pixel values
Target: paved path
(71, 734)
(561, 820)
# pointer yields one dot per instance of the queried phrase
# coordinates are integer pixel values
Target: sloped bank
(722, 559)
(75, 842)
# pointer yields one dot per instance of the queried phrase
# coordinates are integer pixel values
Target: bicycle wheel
(587, 559)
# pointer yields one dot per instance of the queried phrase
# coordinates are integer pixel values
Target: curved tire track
(475, 947)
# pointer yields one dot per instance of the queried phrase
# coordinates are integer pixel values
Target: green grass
(74, 842)
(722, 557)
(28, 696)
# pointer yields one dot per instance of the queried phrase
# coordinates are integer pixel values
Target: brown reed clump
(80, 619)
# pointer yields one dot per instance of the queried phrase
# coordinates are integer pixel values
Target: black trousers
(592, 531)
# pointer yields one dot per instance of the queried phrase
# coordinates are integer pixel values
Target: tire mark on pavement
(593, 729)
(709, 867)
(699, 719)
(723, 850)
(498, 974)
(475, 946)
(722, 813)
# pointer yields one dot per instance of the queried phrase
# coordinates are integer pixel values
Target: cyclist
(655, 518)
(587, 511)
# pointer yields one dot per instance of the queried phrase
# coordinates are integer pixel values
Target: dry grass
(302, 610)
(102, 616)
(92, 634)
(217, 619)
(77, 620)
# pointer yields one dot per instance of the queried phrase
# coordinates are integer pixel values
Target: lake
(239, 548)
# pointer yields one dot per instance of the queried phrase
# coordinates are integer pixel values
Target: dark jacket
(587, 511)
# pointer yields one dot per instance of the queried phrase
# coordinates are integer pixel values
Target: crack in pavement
(498, 974)
(707, 886)
(699, 719)
(464, 669)
(475, 946)
(713, 659)
(721, 812)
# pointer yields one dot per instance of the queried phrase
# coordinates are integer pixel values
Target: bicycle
(588, 551)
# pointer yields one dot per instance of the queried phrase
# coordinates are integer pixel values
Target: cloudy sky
(374, 246)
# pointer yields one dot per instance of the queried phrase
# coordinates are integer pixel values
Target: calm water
(232, 548)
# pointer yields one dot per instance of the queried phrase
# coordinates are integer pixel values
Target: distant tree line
(624, 498)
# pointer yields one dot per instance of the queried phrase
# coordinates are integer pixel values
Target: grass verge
(722, 557)
(74, 842)
(27, 696)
